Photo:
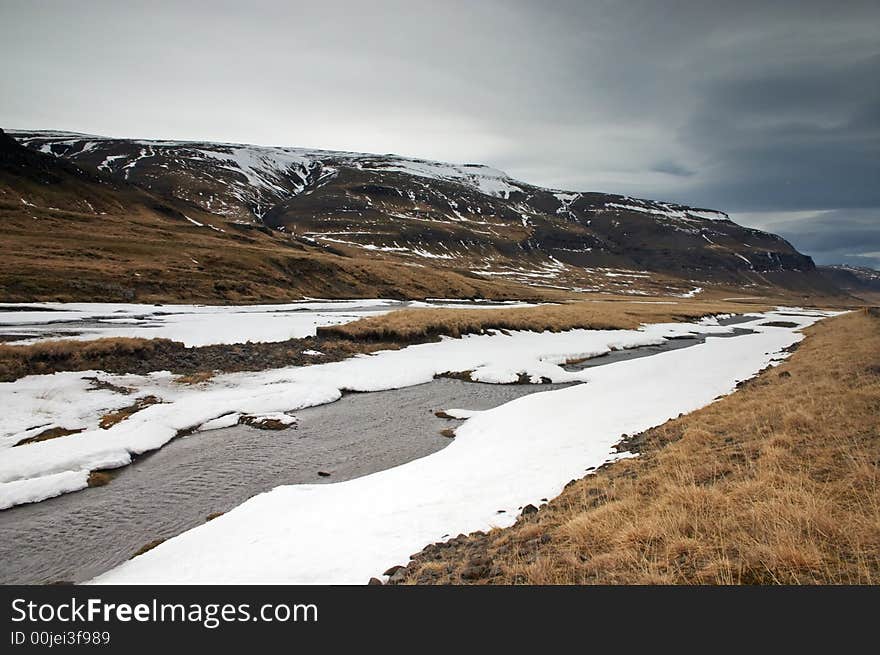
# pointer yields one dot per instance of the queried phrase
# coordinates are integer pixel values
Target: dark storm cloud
(793, 139)
(672, 168)
(762, 109)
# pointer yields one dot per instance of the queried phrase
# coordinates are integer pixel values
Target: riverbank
(774, 484)
(369, 329)
(500, 461)
(63, 430)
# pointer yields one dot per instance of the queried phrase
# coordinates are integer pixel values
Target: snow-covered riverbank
(500, 460)
(74, 400)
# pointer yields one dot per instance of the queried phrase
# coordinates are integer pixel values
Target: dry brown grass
(195, 365)
(197, 378)
(50, 356)
(135, 254)
(51, 433)
(112, 418)
(775, 484)
(147, 547)
(607, 313)
(101, 478)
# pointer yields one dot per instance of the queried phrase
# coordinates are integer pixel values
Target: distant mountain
(853, 279)
(468, 219)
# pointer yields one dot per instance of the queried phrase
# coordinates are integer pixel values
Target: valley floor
(516, 450)
(775, 484)
(501, 460)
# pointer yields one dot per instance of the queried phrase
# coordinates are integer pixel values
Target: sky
(767, 110)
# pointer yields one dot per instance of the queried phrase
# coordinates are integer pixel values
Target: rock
(784, 374)
(529, 509)
(269, 422)
(475, 572)
(393, 570)
(398, 577)
(375, 581)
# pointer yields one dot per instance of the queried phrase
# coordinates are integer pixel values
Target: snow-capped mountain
(253, 178)
(470, 218)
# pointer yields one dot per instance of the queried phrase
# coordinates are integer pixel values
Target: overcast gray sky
(767, 110)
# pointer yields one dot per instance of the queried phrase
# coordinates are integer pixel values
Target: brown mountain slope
(467, 220)
(69, 234)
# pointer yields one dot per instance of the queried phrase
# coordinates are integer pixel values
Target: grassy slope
(777, 483)
(139, 255)
(136, 253)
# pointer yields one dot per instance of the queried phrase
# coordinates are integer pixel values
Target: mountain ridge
(487, 179)
(466, 219)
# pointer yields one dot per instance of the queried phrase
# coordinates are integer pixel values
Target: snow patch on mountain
(668, 210)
